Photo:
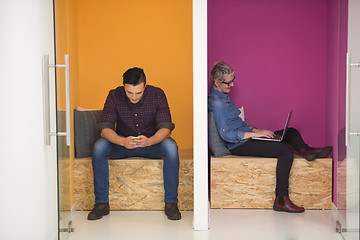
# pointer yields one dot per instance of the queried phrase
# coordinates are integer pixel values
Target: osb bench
(249, 182)
(134, 183)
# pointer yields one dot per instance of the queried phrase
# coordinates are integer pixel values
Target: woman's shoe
(314, 153)
(288, 206)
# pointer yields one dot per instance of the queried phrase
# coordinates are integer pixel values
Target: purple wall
(276, 47)
(295, 49)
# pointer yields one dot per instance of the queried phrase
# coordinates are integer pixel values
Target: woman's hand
(263, 133)
(259, 133)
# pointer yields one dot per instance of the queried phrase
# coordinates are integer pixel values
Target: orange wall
(114, 35)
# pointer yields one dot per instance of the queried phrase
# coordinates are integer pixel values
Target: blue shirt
(226, 115)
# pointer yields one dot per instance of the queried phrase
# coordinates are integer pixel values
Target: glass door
(64, 165)
(349, 169)
(65, 52)
(57, 107)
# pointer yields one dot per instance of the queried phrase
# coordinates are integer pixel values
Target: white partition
(201, 201)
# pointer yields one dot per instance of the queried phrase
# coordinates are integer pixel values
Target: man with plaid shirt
(135, 121)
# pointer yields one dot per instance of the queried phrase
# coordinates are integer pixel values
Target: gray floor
(225, 224)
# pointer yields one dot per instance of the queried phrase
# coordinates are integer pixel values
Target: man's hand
(128, 142)
(141, 141)
(132, 142)
(135, 141)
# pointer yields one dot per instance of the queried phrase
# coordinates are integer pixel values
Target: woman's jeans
(167, 149)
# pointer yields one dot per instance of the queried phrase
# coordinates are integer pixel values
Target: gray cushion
(217, 146)
(86, 131)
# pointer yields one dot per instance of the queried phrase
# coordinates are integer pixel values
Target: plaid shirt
(146, 117)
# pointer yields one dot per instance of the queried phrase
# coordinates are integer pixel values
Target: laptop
(277, 138)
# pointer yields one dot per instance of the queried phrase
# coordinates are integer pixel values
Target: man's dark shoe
(172, 211)
(100, 210)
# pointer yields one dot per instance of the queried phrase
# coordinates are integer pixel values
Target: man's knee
(101, 146)
(169, 144)
(169, 148)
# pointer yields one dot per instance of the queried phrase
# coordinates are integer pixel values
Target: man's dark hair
(134, 76)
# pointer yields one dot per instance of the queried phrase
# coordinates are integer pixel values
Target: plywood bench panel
(135, 183)
(249, 182)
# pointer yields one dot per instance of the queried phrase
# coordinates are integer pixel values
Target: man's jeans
(104, 149)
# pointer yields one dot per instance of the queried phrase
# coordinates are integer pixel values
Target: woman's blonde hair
(219, 70)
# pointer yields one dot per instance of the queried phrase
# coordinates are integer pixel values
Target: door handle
(46, 85)
(347, 123)
(355, 134)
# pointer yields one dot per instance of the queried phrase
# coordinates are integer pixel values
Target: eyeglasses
(228, 83)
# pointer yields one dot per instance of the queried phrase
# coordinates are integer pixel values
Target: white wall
(27, 178)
